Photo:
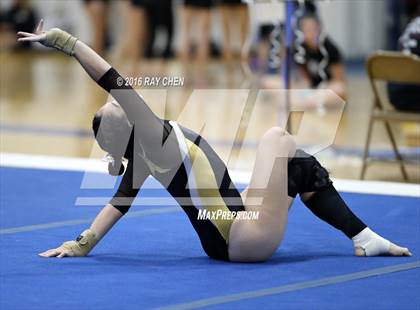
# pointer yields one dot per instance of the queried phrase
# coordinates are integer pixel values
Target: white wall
(358, 26)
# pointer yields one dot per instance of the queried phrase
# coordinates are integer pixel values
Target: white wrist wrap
(61, 40)
(371, 243)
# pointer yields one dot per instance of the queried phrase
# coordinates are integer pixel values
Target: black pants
(404, 97)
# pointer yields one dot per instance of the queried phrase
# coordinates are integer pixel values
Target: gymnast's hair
(308, 15)
(110, 129)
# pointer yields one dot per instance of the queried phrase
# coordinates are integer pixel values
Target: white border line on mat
(242, 177)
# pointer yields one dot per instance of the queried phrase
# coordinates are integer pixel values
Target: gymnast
(185, 164)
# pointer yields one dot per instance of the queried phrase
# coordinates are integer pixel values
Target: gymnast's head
(114, 134)
(310, 25)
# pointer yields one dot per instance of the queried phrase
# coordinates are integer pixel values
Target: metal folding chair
(390, 67)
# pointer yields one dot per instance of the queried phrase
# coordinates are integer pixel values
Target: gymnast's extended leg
(308, 178)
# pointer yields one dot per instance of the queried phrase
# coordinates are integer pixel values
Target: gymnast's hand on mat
(54, 37)
(79, 247)
(58, 252)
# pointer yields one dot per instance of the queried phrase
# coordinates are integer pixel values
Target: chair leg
(396, 152)
(366, 150)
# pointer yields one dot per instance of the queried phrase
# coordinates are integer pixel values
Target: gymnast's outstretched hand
(54, 37)
(79, 247)
(57, 252)
(93, 63)
(39, 34)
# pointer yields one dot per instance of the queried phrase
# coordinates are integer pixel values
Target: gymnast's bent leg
(257, 240)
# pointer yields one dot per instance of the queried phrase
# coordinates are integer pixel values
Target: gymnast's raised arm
(147, 123)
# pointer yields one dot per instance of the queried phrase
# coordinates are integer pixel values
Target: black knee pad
(305, 174)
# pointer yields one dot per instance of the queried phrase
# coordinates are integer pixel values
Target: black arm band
(112, 80)
(122, 202)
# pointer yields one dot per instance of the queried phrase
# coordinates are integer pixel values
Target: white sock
(371, 243)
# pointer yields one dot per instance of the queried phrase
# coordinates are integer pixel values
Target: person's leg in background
(165, 15)
(98, 15)
(122, 45)
(185, 14)
(185, 42)
(152, 26)
(138, 30)
(195, 15)
(226, 16)
(234, 14)
(202, 16)
(243, 16)
(160, 18)
(228, 21)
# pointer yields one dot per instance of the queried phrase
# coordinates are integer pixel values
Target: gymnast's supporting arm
(106, 219)
(86, 241)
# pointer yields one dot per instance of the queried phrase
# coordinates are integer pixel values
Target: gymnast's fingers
(25, 34)
(407, 252)
(34, 38)
(62, 254)
(40, 26)
(66, 252)
(50, 253)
